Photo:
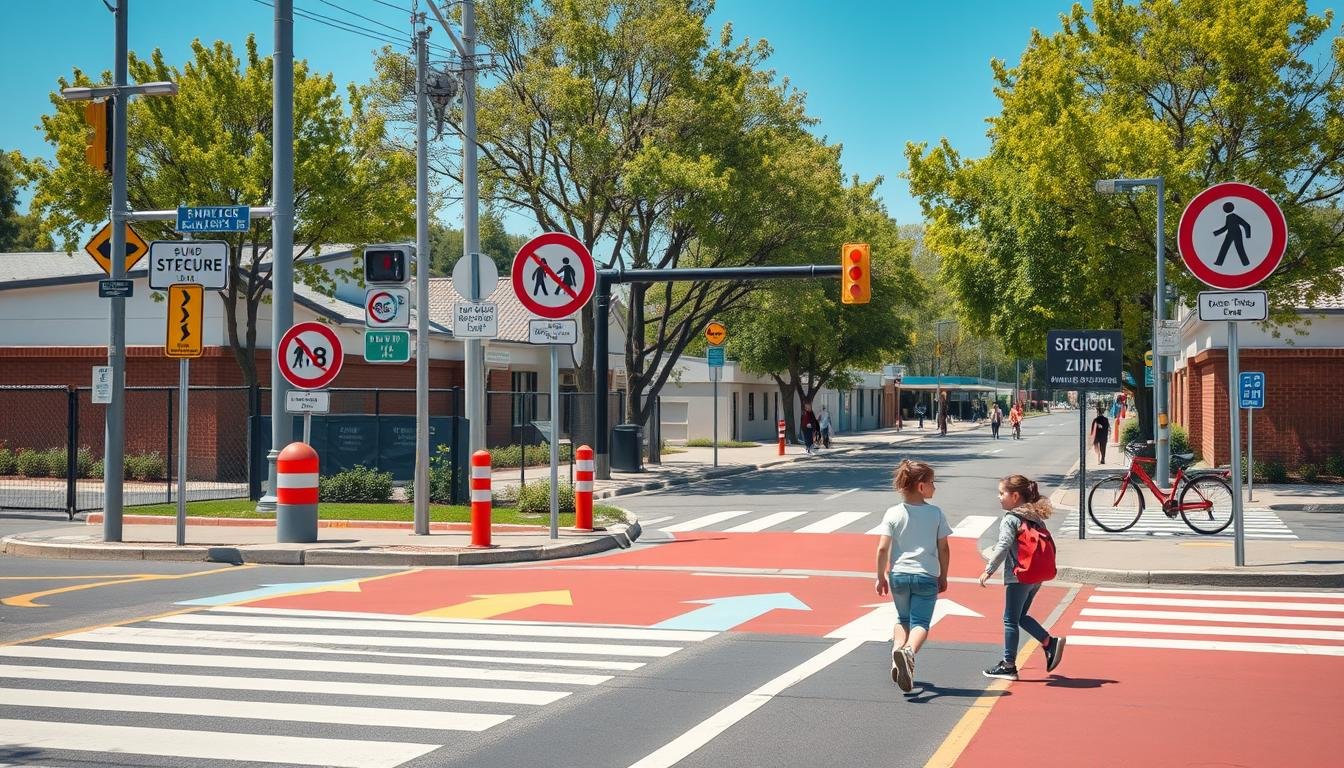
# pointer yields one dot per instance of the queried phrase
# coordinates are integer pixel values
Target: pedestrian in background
(995, 420)
(824, 423)
(912, 564)
(1101, 427)
(809, 426)
(920, 410)
(1020, 498)
(1015, 418)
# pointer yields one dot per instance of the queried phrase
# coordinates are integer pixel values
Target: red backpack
(1035, 552)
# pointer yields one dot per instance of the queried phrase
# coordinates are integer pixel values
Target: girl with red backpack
(1027, 552)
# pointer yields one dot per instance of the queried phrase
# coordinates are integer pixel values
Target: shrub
(535, 497)
(440, 478)
(56, 462)
(1309, 472)
(1334, 465)
(707, 442)
(84, 462)
(31, 463)
(147, 467)
(509, 456)
(1179, 440)
(96, 470)
(541, 454)
(7, 462)
(359, 484)
(1275, 472)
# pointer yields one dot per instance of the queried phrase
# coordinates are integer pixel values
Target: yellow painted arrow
(489, 606)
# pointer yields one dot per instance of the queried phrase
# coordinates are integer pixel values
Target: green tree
(445, 245)
(18, 232)
(1195, 91)
(211, 145)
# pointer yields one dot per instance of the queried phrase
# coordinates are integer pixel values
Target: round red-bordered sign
(1232, 236)
(553, 275)
(310, 355)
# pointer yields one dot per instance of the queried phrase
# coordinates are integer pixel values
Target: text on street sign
(214, 218)
(1233, 305)
(1083, 359)
(203, 262)
(475, 320)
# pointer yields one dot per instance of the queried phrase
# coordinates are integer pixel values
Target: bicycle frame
(1164, 497)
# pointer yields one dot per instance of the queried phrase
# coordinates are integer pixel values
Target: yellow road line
(29, 599)
(961, 734)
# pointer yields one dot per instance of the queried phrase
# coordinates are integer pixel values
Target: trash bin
(625, 444)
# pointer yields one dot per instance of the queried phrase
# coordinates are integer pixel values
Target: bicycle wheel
(1206, 504)
(1115, 503)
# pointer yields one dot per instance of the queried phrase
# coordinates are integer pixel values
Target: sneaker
(1054, 652)
(903, 668)
(1003, 671)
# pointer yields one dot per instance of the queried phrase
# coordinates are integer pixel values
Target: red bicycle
(1205, 500)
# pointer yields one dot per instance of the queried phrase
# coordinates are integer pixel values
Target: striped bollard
(296, 494)
(480, 499)
(583, 488)
(781, 437)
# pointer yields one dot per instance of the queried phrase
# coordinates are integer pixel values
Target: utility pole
(421, 480)
(474, 365)
(282, 232)
(114, 437)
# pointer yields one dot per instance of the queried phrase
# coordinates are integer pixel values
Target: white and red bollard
(781, 436)
(296, 472)
(583, 488)
(480, 499)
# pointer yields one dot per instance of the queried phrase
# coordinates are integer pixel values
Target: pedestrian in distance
(912, 564)
(1101, 427)
(824, 423)
(920, 410)
(809, 426)
(1026, 552)
(995, 420)
(1015, 418)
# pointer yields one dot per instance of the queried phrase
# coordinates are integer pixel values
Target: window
(751, 406)
(776, 406)
(858, 397)
(524, 385)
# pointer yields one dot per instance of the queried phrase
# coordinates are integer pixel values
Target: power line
(338, 24)
(361, 16)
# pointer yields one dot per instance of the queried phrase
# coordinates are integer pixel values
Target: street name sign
(214, 218)
(102, 384)
(1233, 305)
(487, 277)
(186, 316)
(203, 262)
(310, 355)
(100, 248)
(300, 401)
(1232, 236)
(116, 289)
(714, 356)
(553, 275)
(1252, 388)
(475, 320)
(1083, 359)
(391, 346)
(553, 331)
(387, 308)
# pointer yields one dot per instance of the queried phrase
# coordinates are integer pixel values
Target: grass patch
(705, 442)
(438, 513)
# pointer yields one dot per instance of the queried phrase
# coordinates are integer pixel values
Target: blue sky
(878, 73)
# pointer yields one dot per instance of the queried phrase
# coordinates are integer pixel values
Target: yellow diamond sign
(100, 248)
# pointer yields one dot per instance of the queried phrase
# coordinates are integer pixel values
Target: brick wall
(1303, 417)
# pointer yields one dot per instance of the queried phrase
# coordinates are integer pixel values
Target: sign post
(1083, 360)
(1232, 236)
(553, 277)
(714, 357)
(1252, 389)
(183, 340)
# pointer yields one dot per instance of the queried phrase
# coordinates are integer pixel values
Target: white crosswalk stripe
(1259, 524)
(833, 523)
(1306, 623)
(186, 688)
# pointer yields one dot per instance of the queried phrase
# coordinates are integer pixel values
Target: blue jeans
(914, 595)
(1017, 602)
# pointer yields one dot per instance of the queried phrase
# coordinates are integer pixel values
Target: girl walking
(912, 564)
(996, 420)
(1025, 507)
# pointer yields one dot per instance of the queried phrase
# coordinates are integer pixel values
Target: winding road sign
(310, 355)
(553, 275)
(1232, 236)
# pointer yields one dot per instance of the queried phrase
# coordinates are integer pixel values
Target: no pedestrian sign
(1084, 359)
(553, 275)
(1232, 236)
(310, 355)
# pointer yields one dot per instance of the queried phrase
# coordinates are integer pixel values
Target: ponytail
(910, 474)
(1022, 486)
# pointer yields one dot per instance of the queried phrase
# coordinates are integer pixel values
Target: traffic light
(98, 150)
(854, 280)
(386, 265)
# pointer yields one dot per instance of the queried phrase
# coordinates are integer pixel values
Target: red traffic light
(856, 288)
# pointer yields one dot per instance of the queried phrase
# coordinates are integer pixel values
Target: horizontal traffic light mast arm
(718, 273)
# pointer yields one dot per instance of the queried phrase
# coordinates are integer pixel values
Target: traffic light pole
(601, 324)
(114, 437)
(421, 480)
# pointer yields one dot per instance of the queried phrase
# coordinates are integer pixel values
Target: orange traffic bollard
(781, 437)
(583, 488)
(480, 499)
(296, 472)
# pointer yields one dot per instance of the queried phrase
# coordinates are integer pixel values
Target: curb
(1324, 580)
(1318, 508)
(619, 536)
(95, 518)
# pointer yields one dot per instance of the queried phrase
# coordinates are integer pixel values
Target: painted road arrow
(876, 625)
(276, 590)
(489, 606)
(724, 613)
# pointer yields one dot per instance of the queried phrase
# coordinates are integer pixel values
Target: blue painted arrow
(265, 590)
(723, 613)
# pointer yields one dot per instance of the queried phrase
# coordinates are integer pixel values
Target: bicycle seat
(1183, 456)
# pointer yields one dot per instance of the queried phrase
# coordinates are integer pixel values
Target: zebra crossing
(1260, 524)
(1305, 623)
(804, 521)
(298, 687)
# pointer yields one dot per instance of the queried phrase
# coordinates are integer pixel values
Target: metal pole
(601, 313)
(555, 441)
(1234, 429)
(716, 417)
(282, 232)
(307, 427)
(474, 364)
(183, 377)
(1161, 429)
(114, 437)
(421, 479)
(1250, 456)
(1082, 465)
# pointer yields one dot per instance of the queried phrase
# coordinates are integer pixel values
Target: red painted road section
(648, 597)
(1126, 706)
